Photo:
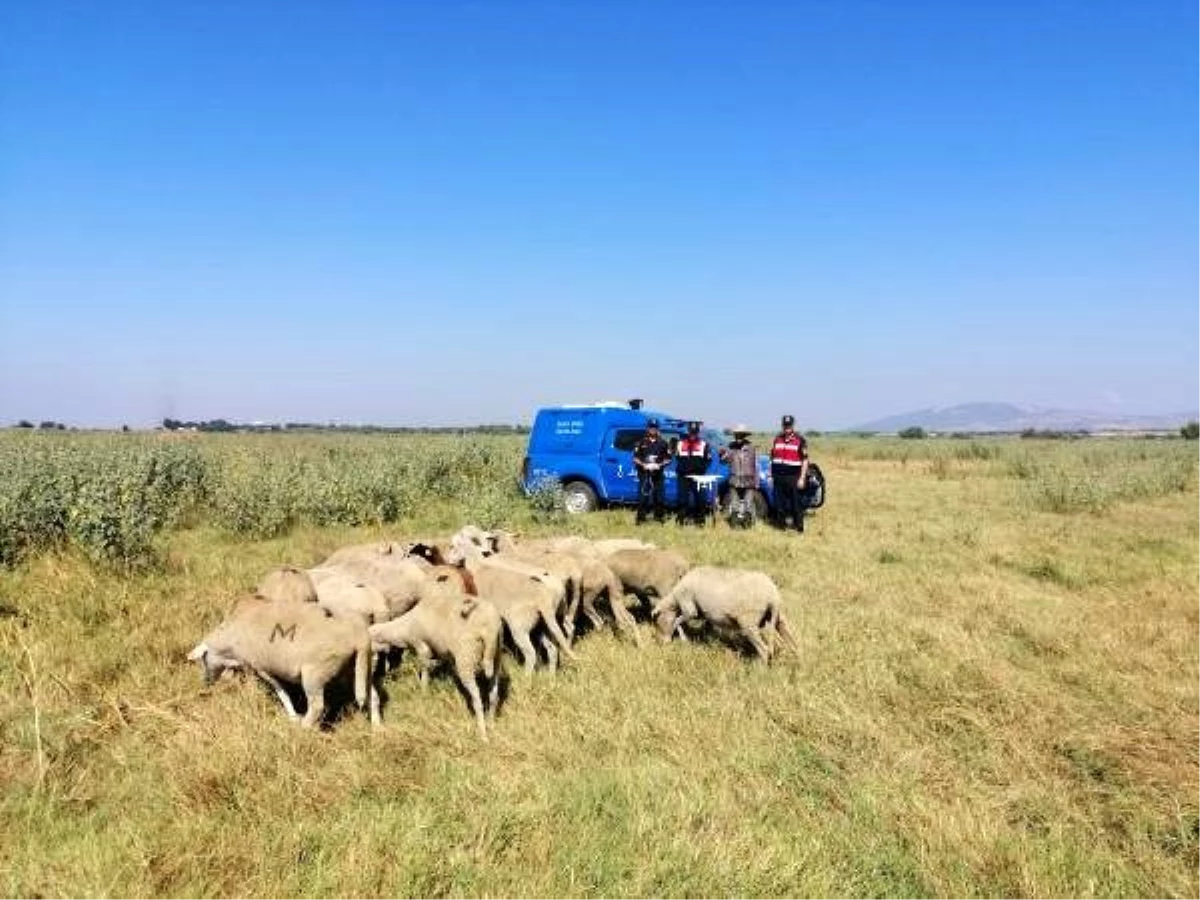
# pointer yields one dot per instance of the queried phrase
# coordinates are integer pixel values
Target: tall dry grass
(993, 697)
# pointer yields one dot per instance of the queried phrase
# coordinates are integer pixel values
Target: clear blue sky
(453, 213)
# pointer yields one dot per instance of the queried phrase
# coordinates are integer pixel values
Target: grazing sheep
(740, 599)
(367, 553)
(467, 635)
(343, 596)
(288, 583)
(597, 579)
(612, 545)
(399, 579)
(525, 596)
(564, 567)
(428, 550)
(458, 576)
(293, 642)
(648, 573)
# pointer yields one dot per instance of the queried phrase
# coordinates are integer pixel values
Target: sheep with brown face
(284, 641)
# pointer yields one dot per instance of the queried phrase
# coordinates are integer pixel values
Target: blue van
(589, 450)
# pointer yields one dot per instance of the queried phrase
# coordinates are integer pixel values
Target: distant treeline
(219, 425)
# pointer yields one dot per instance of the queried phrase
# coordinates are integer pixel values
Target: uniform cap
(693, 426)
(788, 421)
(652, 423)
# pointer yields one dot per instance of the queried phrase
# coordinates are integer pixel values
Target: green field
(996, 694)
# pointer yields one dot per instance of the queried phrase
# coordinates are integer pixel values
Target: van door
(616, 464)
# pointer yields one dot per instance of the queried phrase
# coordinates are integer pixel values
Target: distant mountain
(1010, 417)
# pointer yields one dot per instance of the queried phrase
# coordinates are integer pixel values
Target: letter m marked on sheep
(281, 632)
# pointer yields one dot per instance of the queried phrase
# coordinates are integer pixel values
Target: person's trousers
(789, 500)
(651, 495)
(740, 504)
(693, 502)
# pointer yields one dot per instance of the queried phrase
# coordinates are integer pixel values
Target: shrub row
(111, 495)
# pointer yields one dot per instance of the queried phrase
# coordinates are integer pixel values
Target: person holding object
(650, 457)
(789, 474)
(743, 476)
(692, 457)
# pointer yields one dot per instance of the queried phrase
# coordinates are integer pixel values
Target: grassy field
(997, 690)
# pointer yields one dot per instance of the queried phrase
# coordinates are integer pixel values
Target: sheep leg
(558, 636)
(314, 690)
(282, 694)
(494, 694)
(378, 669)
(525, 646)
(752, 634)
(466, 675)
(425, 664)
(569, 614)
(784, 629)
(551, 653)
(373, 703)
(589, 610)
(625, 620)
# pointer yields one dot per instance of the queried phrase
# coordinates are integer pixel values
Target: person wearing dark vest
(789, 474)
(692, 457)
(650, 456)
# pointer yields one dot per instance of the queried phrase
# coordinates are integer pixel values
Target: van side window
(627, 438)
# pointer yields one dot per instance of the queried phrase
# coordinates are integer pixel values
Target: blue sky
(452, 213)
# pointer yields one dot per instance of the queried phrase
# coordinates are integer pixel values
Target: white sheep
(526, 596)
(466, 634)
(740, 599)
(283, 641)
(648, 573)
(596, 579)
(288, 583)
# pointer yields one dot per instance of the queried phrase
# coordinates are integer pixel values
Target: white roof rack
(606, 404)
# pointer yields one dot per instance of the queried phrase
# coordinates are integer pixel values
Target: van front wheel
(578, 497)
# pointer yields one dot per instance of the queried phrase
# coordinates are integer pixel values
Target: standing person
(743, 476)
(650, 457)
(692, 457)
(789, 474)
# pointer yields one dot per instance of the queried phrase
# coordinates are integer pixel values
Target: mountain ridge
(984, 416)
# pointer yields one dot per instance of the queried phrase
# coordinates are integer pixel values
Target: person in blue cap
(650, 457)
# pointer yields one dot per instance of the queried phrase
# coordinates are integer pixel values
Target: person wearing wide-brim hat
(743, 476)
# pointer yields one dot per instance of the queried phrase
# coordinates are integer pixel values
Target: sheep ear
(198, 652)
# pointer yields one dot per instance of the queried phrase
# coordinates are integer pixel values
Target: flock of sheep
(451, 601)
